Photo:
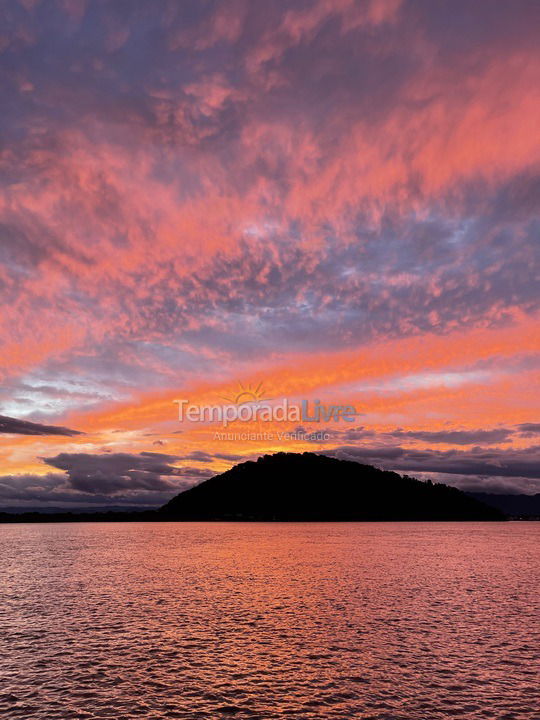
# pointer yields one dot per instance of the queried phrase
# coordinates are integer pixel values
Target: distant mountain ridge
(312, 487)
(517, 506)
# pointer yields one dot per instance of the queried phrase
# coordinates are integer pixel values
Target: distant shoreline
(44, 518)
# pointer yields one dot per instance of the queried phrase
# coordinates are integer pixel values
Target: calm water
(200, 620)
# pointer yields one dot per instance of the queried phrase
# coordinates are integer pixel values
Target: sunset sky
(332, 199)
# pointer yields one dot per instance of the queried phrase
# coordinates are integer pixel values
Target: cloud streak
(13, 426)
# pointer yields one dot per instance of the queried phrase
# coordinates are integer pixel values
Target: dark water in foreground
(417, 621)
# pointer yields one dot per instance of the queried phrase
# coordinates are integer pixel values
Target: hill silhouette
(310, 487)
(301, 487)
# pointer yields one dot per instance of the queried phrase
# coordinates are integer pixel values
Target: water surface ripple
(395, 621)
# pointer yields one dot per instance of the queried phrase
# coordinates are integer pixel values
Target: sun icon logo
(246, 394)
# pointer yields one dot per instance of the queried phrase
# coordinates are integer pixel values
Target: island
(306, 487)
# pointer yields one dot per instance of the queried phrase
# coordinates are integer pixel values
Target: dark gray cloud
(484, 483)
(31, 488)
(120, 474)
(13, 426)
(456, 437)
(529, 429)
(230, 457)
(480, 462)
(53, 490)
(198, 456)
(491, 436)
